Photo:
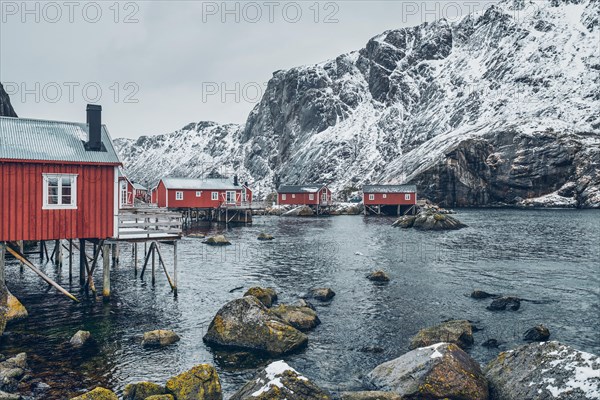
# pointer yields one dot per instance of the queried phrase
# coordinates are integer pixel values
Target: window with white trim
(283, 197)
(60, 191)
(198, 193)
(371, 197)
(407, 196)
(385, 196)
(215, 195)
(178, 195)
(293, 196)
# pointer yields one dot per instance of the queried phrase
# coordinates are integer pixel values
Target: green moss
(97, 394)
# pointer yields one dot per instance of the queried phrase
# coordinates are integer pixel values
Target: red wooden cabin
(126, 191)
(386, 199)
(140, 191)
(201, 193)
(59, 179)
(309, 194)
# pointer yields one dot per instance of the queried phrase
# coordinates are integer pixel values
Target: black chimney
(94, 122)
(235, 180)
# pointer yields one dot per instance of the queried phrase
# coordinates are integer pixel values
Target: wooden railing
(149, 224)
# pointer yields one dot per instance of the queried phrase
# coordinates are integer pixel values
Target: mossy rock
(97, 394)
(218, 240)
(265, 236)
(142, 390)
(267, 296)
(301, 318)
(459, 332)
(159, 338)
(199, 383)
(378, 276)
(439, 217)
(16, 310)
(161, 397)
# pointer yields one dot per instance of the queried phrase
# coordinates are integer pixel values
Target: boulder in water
(480, 294)
(505, 302)
(218, 240)
(16, 310)
(301, 318)
(429, 221)
(321, 294)
(161, 397)
(406, 221)
(265, 236)
(199, 383)
(247, 324)
(440, 371)
(12, 371)
(545, 370)
(538, 333)
(267, 296)
(378, 276)
(279, 381)
(160, 338)
(459, 332)
(142, 390)
(98, 393)
(80, 339)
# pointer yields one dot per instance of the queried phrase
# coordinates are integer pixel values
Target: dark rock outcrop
(321, 294)
(6, 109)
(538, 333)
(547, 370)
(378, 276)
(506, 302)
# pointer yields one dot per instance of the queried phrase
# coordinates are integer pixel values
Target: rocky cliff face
(6, 109)
(498, 107)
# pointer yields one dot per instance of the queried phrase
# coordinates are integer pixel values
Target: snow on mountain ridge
(435, 104)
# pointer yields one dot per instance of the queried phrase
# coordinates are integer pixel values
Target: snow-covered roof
(390, 189)
(199, 183)
(45, 140)
(137, 186)
(307, 188)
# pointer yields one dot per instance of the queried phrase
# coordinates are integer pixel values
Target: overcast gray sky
(155, 66)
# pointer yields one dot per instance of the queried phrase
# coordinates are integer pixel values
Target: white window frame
(371, 196)
(407, 196)
(60, 206)
(198, 193)
(311, 196)
(179, 195)
(293, 196)
(214, 196)
(283, 196)
(385, 196)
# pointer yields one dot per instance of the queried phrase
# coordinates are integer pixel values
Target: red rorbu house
(390, 199)
(190, 193)
(317, 196)
(126, 191)
(140, 191)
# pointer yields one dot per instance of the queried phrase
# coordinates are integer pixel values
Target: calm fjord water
(549, 256)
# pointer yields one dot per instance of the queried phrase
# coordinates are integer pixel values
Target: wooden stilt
(82, 257)
(41, 250)
(59, 254)
(105, 273)
(160, 259)
(19, 256)
(146, 261)
(90, 271)
(70, 259)
(2, 273)
(46, 251)
(135, 258)
(116, 254)
(21, 247)
(175, 267)
(153, 263)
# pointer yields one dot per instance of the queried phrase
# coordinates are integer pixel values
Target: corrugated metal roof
(389, 189)
(307, 188)
(200, 183)
(43, 140)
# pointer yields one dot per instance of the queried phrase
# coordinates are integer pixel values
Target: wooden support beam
(105, 273)
(82, 258)
(153, 263)
(90, 271)
(160, 259)
(41, 250)
(135, 258)
(70, 259)
(2, 263)
(19, 256)
(175, 266)
(59, 253)
(146, 261)
(21, 249)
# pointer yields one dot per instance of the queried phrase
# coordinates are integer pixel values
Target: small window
(283, 197)
(385, 196)
(60, 191)
(311, 196)
(198, 194)
(371, 197)
(215, 195)
(407, 196)
(178, 195)
(293, 196)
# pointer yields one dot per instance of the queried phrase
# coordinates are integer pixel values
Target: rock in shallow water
(199, 383)
(321, 294)
(267, 296)
(429, 221)
(538, 333)
(435, 372)
(218, 240)
(265, 236)
(301, 318)
(370, 395)
(80, 339)
(546, 370)
(142, 390)
(502, 303)
(16, 310)
(279, 381)
(480, 294)
(160, 338)
(246, 323)
(378, 276)
(97, 394)
(459, 332)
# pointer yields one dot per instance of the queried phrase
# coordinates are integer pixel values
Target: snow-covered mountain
(500, 106)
